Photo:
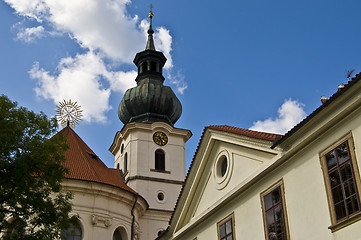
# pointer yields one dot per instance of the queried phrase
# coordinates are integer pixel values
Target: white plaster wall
(245, 161)
(111, 207)
(152, 222)
(150, 189)
(141, 155)
(305, 195)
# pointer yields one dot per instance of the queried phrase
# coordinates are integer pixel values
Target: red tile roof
(84, 164)
(246, 132)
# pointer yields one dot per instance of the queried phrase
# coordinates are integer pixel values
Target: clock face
(160, 138)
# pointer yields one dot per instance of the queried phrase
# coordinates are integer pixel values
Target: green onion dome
(150, 101)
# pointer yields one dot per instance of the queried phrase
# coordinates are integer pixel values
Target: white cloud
(80, 79)
(102, 25)
(162, 41)
(177, 80)
(30, 34)
(105, 30)
(289, 114)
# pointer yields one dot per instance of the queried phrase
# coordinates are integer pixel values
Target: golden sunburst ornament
(68, 113)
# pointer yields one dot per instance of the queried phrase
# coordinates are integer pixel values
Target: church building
(242, 184)
(135, 200)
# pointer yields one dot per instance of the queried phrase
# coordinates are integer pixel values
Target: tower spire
(150, 42)
(150, 101)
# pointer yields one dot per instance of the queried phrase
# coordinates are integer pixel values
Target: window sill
(343, 223)
(160, 171)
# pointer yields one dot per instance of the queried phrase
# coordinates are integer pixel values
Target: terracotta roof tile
(245, 132)
(84, 164)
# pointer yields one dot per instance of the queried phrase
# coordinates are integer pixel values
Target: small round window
(222, 169)
(161, 197)
(222, 166)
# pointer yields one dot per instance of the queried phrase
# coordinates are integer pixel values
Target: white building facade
(306, 184)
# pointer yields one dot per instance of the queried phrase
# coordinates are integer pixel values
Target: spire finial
(150, 42)
(151, 12)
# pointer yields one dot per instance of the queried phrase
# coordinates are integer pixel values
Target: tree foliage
(32, 203)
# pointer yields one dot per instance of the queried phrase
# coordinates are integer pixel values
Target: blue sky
(252, 64)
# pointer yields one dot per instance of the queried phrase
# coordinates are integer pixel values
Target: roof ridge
(246, 132)
(87, 150)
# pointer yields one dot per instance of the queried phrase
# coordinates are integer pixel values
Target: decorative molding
(98, 221)
(160, 171)
(154, 180)
(137, 232)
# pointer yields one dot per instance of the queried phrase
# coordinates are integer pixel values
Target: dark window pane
(349, 188)
(159, 160)
(117, 235)
(276, 196)
(224, 167)
(335, 178)
(270, 221)
(342, 153)
(268, 201)
(337, 194)
(153, 66)
(346, 172)
(279, 220)
(331, 160)
(272, 235)
(340, 210)
(222, 230)
(352, 204)
(125, 162)
(229, 226)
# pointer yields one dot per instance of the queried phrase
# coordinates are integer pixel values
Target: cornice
(136, 126)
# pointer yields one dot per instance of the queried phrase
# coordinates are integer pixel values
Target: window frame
(125, 163)
(224, 221)
(356, 216)
(280, 185)
(159, 160)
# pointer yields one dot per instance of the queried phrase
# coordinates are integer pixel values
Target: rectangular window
(274, 213)
(342, 182)
(226, 228)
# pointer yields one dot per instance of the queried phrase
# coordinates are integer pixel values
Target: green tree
(32, 203)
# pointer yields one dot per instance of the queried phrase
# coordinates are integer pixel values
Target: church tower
(149, 149)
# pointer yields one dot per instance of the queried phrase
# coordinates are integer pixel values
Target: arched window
(120, 234)
(125, 162)
(117, 235)
(153, 66)
(118, 166)
(73, 232)
(159, 160)
(122, 148)
(144, 67)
